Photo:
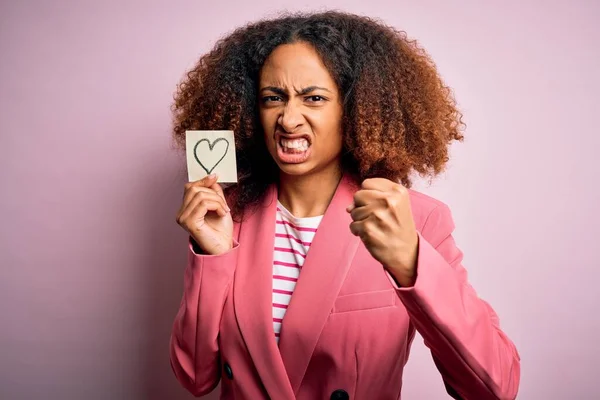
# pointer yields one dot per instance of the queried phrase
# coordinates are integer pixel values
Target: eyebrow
(302, 92)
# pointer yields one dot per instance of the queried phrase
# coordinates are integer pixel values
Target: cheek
(332, 124)
(327, 121)
(267, 122)
(262, 116)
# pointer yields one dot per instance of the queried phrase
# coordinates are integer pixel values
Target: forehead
(295, 64)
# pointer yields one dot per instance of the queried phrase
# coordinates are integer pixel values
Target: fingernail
(211, 176)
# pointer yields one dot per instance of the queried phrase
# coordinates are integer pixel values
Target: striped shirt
(293, 237)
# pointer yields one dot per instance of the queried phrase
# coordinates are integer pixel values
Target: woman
(332, 113)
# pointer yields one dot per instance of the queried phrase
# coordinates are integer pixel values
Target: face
(300, 111)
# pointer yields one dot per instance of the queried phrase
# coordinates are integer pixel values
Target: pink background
(91, 258)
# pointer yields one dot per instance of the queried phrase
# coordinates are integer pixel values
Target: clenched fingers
(199, 197)
(204, 207)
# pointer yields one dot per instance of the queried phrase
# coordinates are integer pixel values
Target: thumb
(217, 188)
(209, 180)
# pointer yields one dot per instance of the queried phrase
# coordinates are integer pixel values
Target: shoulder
(423, 205)
(432, 216)
(424, 201)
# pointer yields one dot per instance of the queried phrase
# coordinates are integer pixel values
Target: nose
(290, 118)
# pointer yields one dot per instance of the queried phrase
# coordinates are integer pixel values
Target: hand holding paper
(205, 214)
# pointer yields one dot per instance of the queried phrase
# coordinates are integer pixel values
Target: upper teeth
(294, 143)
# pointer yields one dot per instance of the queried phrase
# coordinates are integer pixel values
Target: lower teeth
(294, 149)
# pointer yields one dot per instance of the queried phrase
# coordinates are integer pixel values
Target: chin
(295, 169)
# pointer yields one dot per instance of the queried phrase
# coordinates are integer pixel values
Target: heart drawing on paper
(209, 163)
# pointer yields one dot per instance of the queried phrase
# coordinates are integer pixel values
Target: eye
(270, 99)
(315, 99)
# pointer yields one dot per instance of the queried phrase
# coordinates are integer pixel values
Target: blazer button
(340, 395)
(228, 371)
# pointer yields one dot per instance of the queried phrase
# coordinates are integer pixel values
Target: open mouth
(293, 150)
(294, 146)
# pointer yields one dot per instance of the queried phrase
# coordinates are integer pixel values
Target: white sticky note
(211, 152)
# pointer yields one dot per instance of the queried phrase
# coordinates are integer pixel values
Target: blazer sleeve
(194, 349)
(476, 359)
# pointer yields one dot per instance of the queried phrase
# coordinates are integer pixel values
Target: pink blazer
(348, 329)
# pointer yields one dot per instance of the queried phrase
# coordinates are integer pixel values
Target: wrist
(404, 271)
(216, 251)
(403, 278)
(196, 247)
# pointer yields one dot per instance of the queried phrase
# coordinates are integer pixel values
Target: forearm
(194, 348)
(474, 356)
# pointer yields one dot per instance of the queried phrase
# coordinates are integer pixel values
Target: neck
(309, 195)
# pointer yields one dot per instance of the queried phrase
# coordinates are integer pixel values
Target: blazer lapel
(252, 296)
(319, 283)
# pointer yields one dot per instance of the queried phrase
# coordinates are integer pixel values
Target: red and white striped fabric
(293, 237)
